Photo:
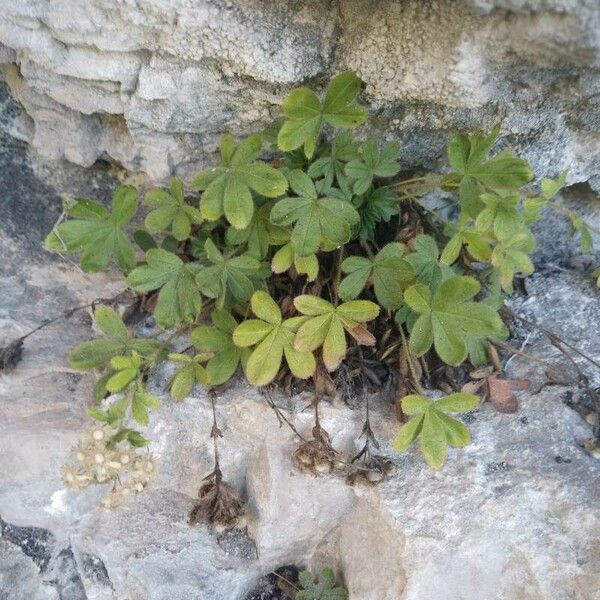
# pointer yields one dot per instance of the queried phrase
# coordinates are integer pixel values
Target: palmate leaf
(305, 113)
(376, 206)
(260, 233)
(218, 340)
(190, 371)
(126, 371)
(179, 299)
(326, 326)
(389, 272)
(227, 187)
(433, 427)
(373, 164)
(97, 233)
(477, 243)
(323, 589)
(169, 208)
(424, 260)
(331, 166)
(318, 222)
(476, 172)
(447, 317)
(228, 279)
(500, 215)
(140, 403)
(272, 339)
(511, 256)
(98, 353)
(286, 256)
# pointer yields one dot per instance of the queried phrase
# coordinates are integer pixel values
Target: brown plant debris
(373, 470)
(219, 505)
(317, 456)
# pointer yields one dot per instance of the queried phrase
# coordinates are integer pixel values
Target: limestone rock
(514, 515)
(152, 85)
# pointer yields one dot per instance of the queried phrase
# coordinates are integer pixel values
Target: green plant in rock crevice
(327, 246)
(433, 427)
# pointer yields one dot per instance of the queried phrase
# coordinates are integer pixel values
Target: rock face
(151, 85)
(515, 515)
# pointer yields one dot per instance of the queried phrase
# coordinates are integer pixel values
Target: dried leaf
(472, 387)
(362, 335)
(482, 373)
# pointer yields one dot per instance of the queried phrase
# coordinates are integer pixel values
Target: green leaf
(376, 206)
(229, 280)
(326, 324)
(121, 379)
(317, 221)
(185, 377)
(97, 234)
(468, 156)
(457, 403)
(424, 261)
(179, 298)
(358, 269)
(98, 353)
(323, 589)
(144, 240)
(408, 433)
(283, 259)
(415, 404)
(305, 114)
(139, 409)
(332, 165)
(500, 215)
(431, 424)
(388, 270)
(94, 354)
(447, 317)
(136, 439)
(373, 164)
(227, 189)
(434, 444)
(218, 340)
(551, 187)
(477, 243)
(272, 338)
(169, 209)
(259, 234)
(110, 323)
(511, 256)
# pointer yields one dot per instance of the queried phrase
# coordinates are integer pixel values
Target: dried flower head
(97, 458)
(317, 456)
(220, 506)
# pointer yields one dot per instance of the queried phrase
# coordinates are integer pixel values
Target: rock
(366, 530)
(503, 518)
(19, 577)
(514, 515)
(152, 86)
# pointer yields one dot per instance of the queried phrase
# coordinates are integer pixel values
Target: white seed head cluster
(95, 460)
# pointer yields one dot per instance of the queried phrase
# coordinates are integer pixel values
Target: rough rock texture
(151, 85)
(515, 515)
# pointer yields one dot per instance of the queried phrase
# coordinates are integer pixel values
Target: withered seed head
(219, 506)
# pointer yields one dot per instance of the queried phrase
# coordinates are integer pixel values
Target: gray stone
(152, 85)
(514, 515)
(19, 576)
